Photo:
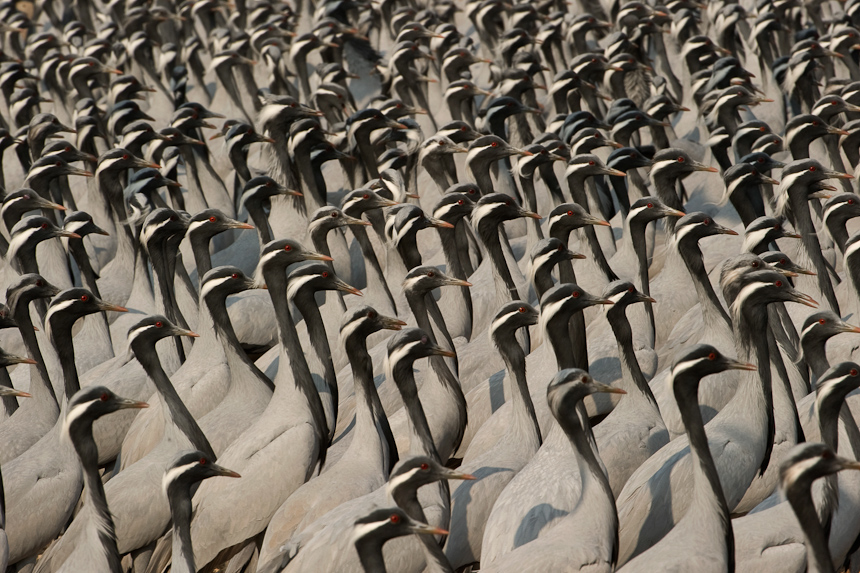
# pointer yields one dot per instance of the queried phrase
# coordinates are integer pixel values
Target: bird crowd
(232, 231)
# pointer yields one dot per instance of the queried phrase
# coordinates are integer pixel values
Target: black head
(703, 360)
(834, 385)
(328, 218)
(143, 335)
(440, 145)
(650, 209)
(26, 199)
(188, 468)
(698, 225)
(315, 276)
(261, 189)
(380, 525)
(764, 230)
(361, 321)
(452, 207)
(808, 461)
(510, 318)
(119, 159)
(806, 128)
(90, 403)
(496, 208)
(30, 231)
(821, 326)
(407, 220)
(762, 161)
(842, 207)
(67, 152)
(50, 167)
(626, 158)
(409, 345)
(549, 252)
(278, 255)
(803, 172)
(359, 201)
(30, 287)
(562, 300)
(622, 294)
(210, 222)
(569, 216)
(221, 282)
(759, 288)
(417, 471)
(74, 303)
(571, 386)
(491, 148)
(780, 261)
(423, 279)
(588, 165)
(676, 163)
(459, 132)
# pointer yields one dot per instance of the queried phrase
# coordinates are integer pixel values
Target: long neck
(633, 381)
(40, 383)
(370, 417)
(307, 305)
(811, 246)
(712, 309)
(817, 551)
(562, 346)
(664, 187)
(708, 490)
(94, 492)
(202, 258)
(421, 440)
(298, 375)
(180, 511)
(515, 360)
(173, 409)
(61, 338)
(506, 289)
(370, 555)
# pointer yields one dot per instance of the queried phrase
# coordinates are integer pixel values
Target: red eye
(325, 274)
(44, 225)
(249, 132)
(570, 213)
(441, 142)
(424, 340)
(782, 261)
(67, 149)
(59, 163)
(576, 294)
(292, 105)
(814, 123)
(853, 372)
(235, 275)
(125, 156)
(425, 466)
(508, 203)
(269, 184)
(712, 356)
(509, 104)
(84, 298)
(104, 397)
(365, 196)
(159, 324)
(522, 309)
(371, 314)
(850, 201)
(777, 284)
(761, 159)
(431, 274)
(394, 518)
(26, 196)
(464, 128)
(754, 172)
(561, 247)
(460, 202)
(90, 64)
(681, 159)
(212, 219)
(812, 168)
(39, 283)
(762, 129)
(650, 205)
(822, 321)
(755, 264)
(288, 248)
(591, 20)
(591, 162)
(471, 191)
(740, 93)
(706, 222)
(834, 102)
(495, 144)
(334, 214)
(203, 461)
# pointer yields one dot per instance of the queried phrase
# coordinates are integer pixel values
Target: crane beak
(4, 391)
(185, 332)
(353, 221)
(606, 388)
(615, 172)
(733, 364)
(239, 225)
(126, 404)
(12, 359)
(590, 220)
(571, 255)
(770, 180)
(802, 271)
(439, 223)
(343, 287)
(68, 234)
(529, 214)
(106, 306)
(439, 351)
(702, 167)
(845, 327)
(317, 257)
(726, 231)
(223, 472)
(452, 474)
(804, 299)
(424, 529)
(389, 323)
(646, 298)
(458, 282)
